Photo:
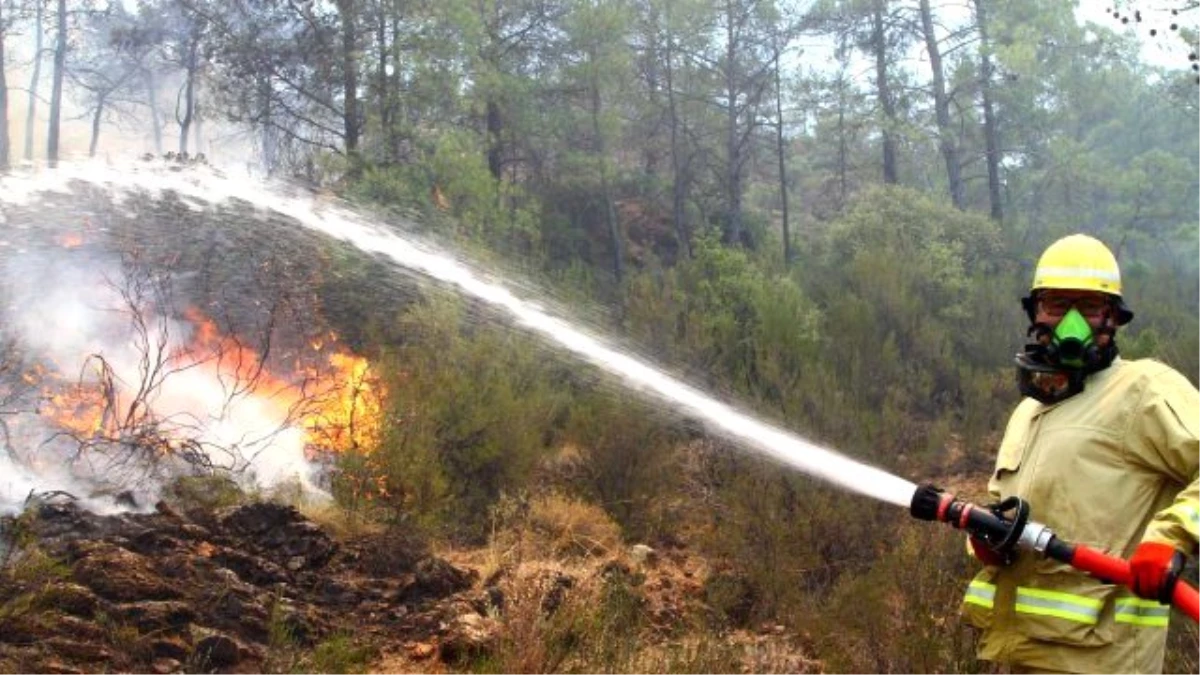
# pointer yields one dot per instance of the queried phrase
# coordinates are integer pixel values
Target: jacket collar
(1091, 385)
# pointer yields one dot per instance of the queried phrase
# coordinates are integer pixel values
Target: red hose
(1114, 569)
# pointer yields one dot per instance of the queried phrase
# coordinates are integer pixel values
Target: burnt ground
(242, 589)
(261, 588)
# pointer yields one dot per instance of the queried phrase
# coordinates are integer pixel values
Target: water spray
(1006, 527)
(925, 502)
(199, 186)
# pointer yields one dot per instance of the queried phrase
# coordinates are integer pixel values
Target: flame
(334, 401)
(233, 365)
(337, 403)
(77, 409)
(77, 238)
(349, 419)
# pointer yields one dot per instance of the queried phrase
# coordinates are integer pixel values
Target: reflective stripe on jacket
(1110, 467)
(1131, 610)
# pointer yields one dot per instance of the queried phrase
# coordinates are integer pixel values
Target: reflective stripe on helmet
(981, 593)
(1142, 612)
(1057, 604)
(1077, 273)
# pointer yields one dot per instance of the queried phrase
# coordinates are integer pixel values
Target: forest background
(826, 214)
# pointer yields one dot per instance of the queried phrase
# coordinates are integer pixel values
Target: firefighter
(1105, 451)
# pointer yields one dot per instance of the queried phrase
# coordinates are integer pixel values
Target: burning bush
(163, 392)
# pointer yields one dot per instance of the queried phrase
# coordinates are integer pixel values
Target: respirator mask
(1053, 367)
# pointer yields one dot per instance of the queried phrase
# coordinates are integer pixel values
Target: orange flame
(69, 240)
(78, 409)
(337, 403)
(349, 419)
(77, 238)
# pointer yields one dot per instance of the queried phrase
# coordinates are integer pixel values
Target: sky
(1165, 48)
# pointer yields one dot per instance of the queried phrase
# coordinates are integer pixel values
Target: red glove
(1153, 570)
(986, 555)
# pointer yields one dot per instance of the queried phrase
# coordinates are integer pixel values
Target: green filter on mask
(1072, 339)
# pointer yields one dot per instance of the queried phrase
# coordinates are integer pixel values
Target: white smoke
(56, 312)
(66, 310)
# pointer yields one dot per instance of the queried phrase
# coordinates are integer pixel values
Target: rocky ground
(261, 588)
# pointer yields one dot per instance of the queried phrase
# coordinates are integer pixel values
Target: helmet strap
(1029, 303)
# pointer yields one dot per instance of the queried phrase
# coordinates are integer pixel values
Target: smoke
(416, 257)
(54, 314)
(76, 318)
(64, 304)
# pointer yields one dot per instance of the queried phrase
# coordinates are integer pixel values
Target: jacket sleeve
(1164, 437)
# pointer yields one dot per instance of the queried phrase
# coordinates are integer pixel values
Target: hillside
(258, 587)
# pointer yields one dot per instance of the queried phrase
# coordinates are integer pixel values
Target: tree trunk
(779, 147)
(350, 114)
(941, 104)
(651, 151)
(495, 127)
(189, 95)
(381, 85)
(879, 46)
(678, 178)
(34, 78)
(843, 143)
(843, 147)
(733, 169)
(270, 151)
(96, 117)
(990, 131)
(398, 115)
(610, 213)
(60, 64)
(155, 116)
(4, 139)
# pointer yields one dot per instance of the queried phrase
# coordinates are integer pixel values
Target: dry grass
(603, 624)
(573, 527)
(541, 625)
(341, 523)
(552, 527)
(571, 599)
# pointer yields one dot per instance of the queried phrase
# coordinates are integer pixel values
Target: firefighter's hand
(986, 555)
(1153, 570)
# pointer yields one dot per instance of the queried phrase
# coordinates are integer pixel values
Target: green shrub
(204, 493)
(901, 614)
(340, 653)
(470, 408)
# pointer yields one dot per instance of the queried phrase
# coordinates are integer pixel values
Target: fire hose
(1005, 533)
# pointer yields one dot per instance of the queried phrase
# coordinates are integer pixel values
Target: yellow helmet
(1079, 263)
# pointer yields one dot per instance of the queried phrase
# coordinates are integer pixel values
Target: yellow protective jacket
(1109, 467)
